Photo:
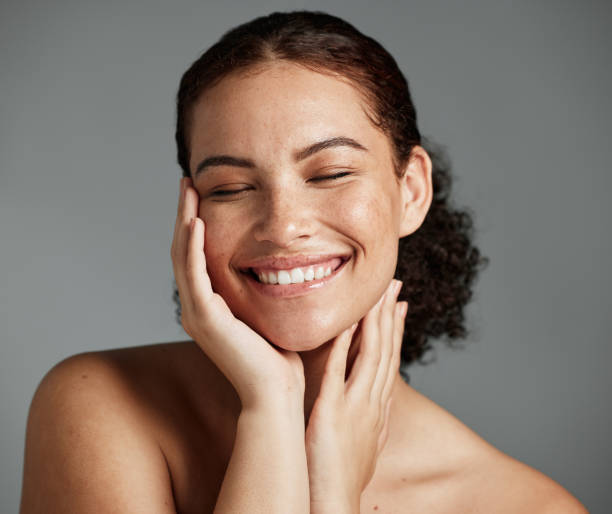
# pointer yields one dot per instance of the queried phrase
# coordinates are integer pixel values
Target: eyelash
(335, 176)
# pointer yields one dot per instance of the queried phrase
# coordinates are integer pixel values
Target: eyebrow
(300, 155)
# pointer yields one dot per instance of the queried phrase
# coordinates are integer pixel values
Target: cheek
(220, 238)
(367, 217)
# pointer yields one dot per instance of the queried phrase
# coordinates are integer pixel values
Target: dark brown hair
(437, 263)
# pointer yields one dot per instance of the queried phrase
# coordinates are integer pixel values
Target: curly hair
(438, 263)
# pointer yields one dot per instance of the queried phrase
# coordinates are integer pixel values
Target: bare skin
(187, 410)
(161, 428)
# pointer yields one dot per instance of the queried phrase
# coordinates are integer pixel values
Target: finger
(365, 366)
(179, 242)
(178, 253)
(382, 439)
(198, 281)
(398, 334)
(188, 210)
(332, 385)
(178, 212)
(385, 340)
(180, 218)
(180, 197)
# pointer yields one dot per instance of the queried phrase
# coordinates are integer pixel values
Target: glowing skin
(266, 117)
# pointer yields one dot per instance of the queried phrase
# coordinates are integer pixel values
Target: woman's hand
(348, 425)
(258, 371)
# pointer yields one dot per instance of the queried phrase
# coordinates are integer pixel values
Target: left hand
(348, 425)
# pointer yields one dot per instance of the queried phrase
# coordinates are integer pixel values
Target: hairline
(266, 63)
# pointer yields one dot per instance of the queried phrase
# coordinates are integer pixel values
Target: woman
(305, 190)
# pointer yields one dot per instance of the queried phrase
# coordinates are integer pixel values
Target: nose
(284, 218)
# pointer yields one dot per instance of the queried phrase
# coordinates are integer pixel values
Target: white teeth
(284, 277)
(297, 276)
(294, 276)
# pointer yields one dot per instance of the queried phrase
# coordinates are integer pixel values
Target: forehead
(277, 108)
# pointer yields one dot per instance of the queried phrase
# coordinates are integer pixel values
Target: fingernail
(404, 309)
(398, 286)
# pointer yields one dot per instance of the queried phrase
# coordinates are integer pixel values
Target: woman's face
(268, 206)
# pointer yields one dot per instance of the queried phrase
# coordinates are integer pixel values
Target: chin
(298, 339)
(299, 346)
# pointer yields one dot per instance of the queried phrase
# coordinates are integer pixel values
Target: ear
(416, 190)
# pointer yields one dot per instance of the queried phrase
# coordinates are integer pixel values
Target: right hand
(258, 371)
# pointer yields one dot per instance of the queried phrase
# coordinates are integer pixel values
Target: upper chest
(198, 458)
(194, 418)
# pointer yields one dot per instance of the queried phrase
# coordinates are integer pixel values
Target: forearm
(267, 471)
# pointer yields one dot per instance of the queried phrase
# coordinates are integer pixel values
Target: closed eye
(227, 192)
(224, 193)
(335, 176)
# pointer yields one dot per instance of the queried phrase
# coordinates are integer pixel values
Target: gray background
(519, 94)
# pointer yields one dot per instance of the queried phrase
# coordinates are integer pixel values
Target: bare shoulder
(517, 487)
(89, 444)
(494, 482)
(453, 469)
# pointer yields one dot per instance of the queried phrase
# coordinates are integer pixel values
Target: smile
(297, 275)
(294, 281)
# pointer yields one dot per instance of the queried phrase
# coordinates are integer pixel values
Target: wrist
(288, 407)
(331, 506)
(275, 400)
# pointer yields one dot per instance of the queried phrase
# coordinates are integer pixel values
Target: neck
(314, 362)
(314, 368)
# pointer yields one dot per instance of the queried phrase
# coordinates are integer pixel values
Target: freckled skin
(265, 117)
(430, 458)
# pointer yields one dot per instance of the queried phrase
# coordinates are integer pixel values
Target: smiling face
(264, 193)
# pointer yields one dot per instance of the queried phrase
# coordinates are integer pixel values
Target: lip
(288, 262)
(291, 290)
